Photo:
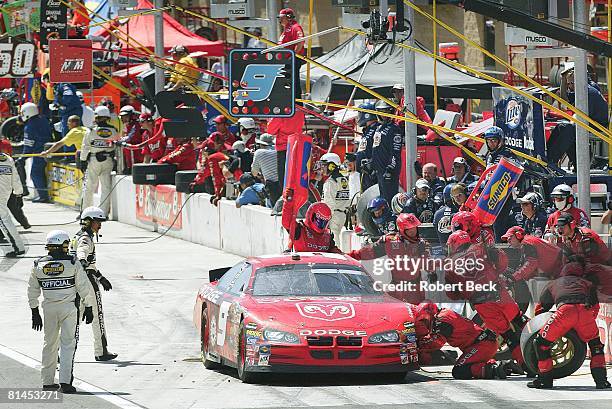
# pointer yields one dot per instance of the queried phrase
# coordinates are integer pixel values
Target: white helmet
(331, 157)
(565, 193)
(28, 110)
(247, 123)
(562, 190)
(57, 238)
(81, 96)
(127, 110)
(398, 202)
(93, 213)
(101, 110)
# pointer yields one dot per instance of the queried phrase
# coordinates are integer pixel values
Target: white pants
(97, 325)
(13, 240)
(98, 172)
(61, 326)
(335, 225)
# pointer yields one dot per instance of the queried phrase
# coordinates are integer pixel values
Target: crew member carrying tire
(576, 299)
(436, 327)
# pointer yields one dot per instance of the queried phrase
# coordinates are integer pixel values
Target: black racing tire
(183, 178)
(12, 130)
(503, 352)
(204, 338)
(244, 375)
(569, 352)
(153, 174)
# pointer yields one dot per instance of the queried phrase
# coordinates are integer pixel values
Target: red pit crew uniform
(211, 167)
(478, 346)
(579, 216)
(153, 146)
(184, 157)
(395, 247)
(498, 310)
(538, 255)
(576, 302)
(305, 239)
(585, 245)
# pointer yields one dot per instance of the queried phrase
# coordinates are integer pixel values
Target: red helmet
(467, 222)
(145, 116)
(318, 216)
(456, 240)
(516, 231)
(407, 221)
(220, 119)
(425, 311)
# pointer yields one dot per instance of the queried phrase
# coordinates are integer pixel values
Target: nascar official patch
(53, 268)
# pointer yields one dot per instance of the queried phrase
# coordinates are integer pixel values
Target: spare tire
(153, 174)
(363, 216)
(568, 352)
(183, 179)
(12, 130)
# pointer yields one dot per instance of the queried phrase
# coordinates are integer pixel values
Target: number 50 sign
(17, 59)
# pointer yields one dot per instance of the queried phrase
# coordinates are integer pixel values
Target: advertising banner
(70, 61)
(521, 120)
(53, 20)
(17, 60)
(18, 18)
(65, 184)
(160, 205)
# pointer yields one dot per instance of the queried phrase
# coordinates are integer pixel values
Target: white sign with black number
(17, 60)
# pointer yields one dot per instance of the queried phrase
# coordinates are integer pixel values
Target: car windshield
(309, 280)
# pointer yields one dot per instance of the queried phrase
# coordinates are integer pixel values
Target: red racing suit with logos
(579, 215)
(396, 247)
(585, 246)
(494, 304)
(304, 239)
(538, 255)
(153, 146)
(478, 346)
(577, 309)
(184, 157)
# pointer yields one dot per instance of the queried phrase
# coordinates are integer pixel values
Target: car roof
(304, 258)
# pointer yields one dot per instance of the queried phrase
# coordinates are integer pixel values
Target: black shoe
(603, 385)
(67, 388)
(26, 226)
(512, 367)
(106, 357)
(541, 382)
(14, 254)
(41, 200)
(53, 386)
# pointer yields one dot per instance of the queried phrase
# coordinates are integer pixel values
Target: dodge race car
(302, 312)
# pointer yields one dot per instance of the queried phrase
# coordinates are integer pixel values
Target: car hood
(365, 312)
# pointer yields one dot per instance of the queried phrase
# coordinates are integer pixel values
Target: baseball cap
(422, 184)
(512, 231)
(530, 197)
(564, 219)
(219, 119)
(286, 13)
(398, 86)
(265, 139)
(461, 160)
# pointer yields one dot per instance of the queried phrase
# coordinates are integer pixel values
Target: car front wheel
(244, 375)
(204, 340)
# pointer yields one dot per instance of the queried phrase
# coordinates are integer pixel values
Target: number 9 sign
(17, 59)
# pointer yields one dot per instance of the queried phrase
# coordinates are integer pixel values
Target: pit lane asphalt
(148, 318)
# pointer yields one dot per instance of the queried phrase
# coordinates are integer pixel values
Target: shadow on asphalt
(120, 364)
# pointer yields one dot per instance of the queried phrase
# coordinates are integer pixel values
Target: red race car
(302, 312)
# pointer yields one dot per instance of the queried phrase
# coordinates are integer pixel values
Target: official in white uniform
(82, 246)
(9, 183)
(335, 192)
(64, 285)
(97, 153)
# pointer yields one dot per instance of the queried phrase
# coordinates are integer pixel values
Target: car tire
(183, 179)
(570, 349)
(153, 174)
(204, 338)
(12, 130)
(244, 375)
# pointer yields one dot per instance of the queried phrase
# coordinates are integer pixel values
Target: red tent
(141, 30)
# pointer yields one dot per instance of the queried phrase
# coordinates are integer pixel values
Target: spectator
(248, 131)
(186, 71)
(241, 158)
(264, 164)
(78, 27)
(532, 218)
(154, 145)
(459, 194)
(421, 203)
(255, 42)
(88, 114)
(252, 192)
(461, 172)
(292, 31)
(74, 137)
(436, 184)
